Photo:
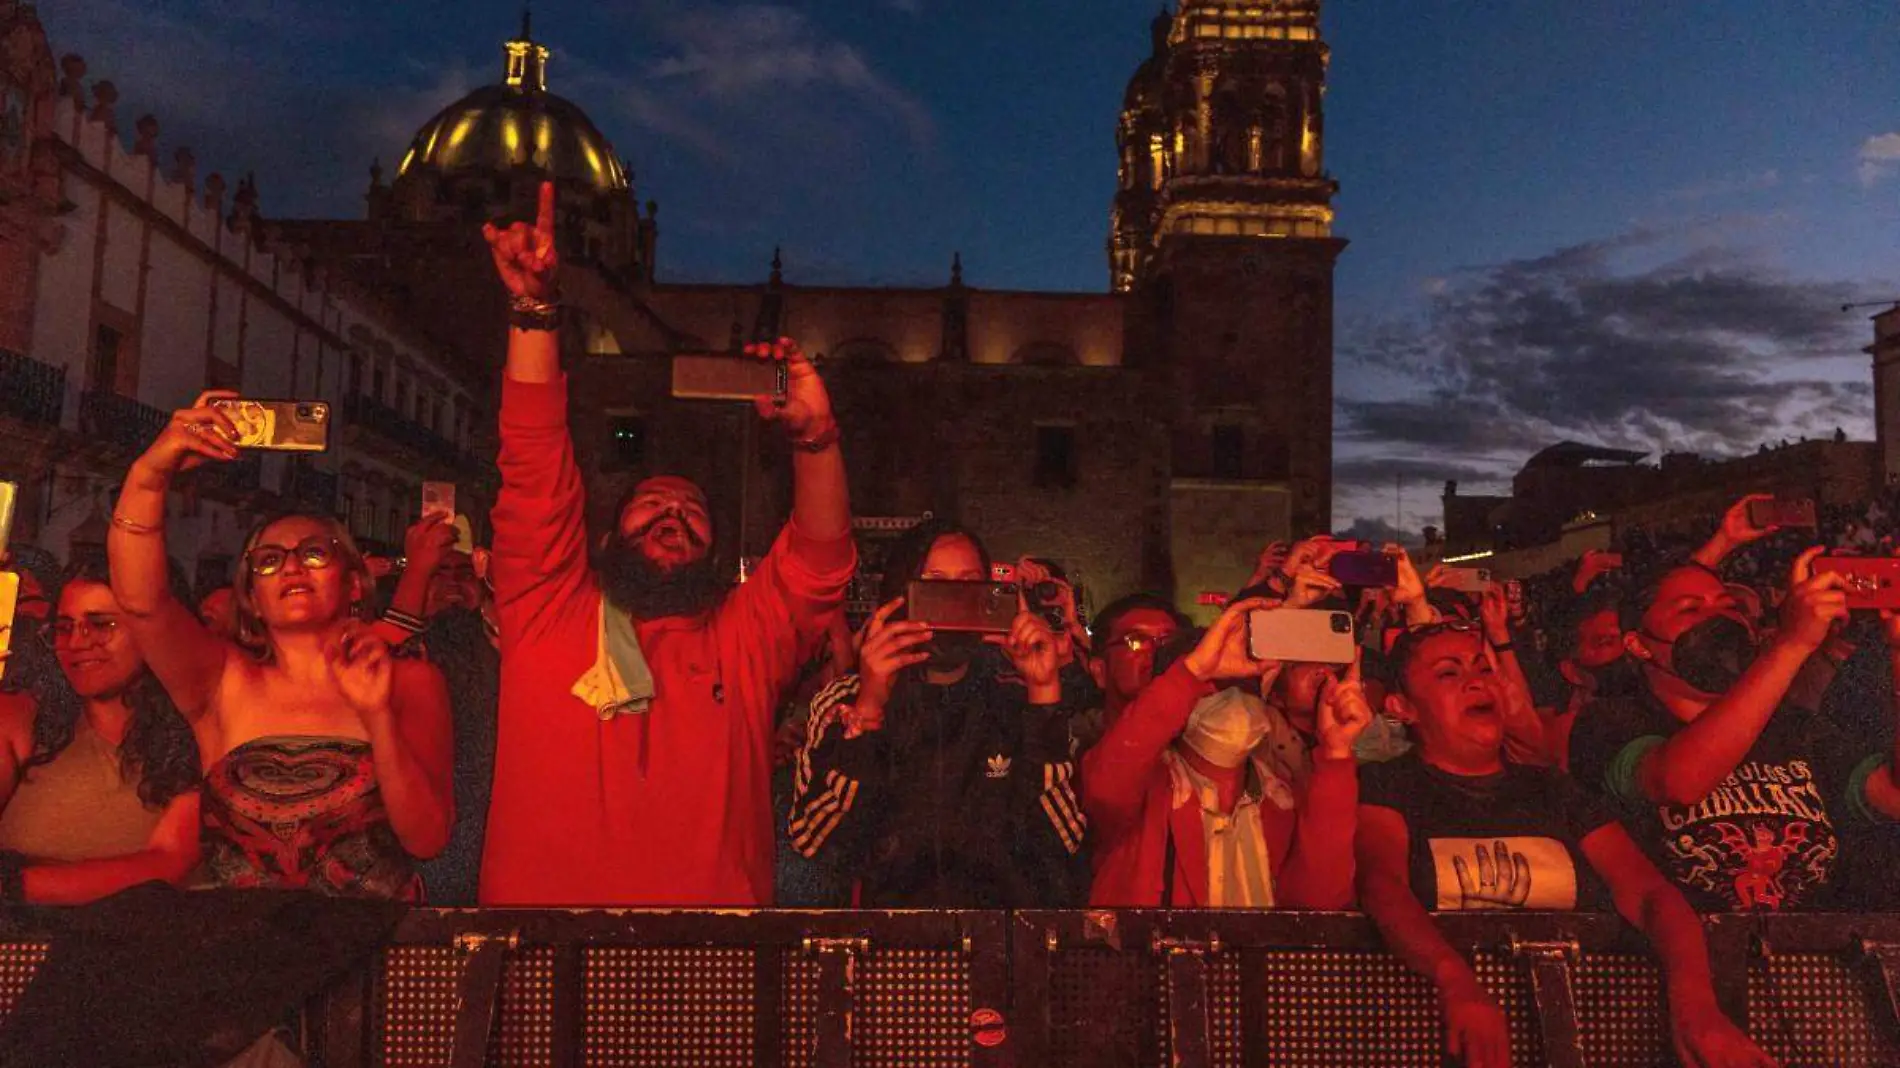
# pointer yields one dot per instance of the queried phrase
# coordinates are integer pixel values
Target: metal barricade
(1209, 989)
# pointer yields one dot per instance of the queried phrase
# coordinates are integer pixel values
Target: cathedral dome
(517, 123)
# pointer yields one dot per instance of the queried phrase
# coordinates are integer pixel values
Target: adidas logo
(998, 767)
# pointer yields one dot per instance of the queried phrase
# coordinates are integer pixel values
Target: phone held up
(278, 425)
(728, 376)
(1301, 635)
(9, 579)
(1782, 513)
(1364, 567)
(1871, 582)
(968, 607)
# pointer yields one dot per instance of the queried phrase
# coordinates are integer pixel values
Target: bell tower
(1221, 234)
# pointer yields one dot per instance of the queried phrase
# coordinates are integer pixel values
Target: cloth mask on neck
(1226, 727)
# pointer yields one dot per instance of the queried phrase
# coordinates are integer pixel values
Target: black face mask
(952, 650)
(1712, 655)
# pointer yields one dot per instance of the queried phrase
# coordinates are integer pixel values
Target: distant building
(128, 285)
(1150, 435)
(1886, 356)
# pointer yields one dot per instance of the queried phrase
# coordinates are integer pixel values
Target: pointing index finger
(544, 212)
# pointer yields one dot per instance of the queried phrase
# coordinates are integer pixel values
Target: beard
(643, 589)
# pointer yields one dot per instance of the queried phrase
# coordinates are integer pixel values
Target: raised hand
(1409, 587)
(1222, 652)
(524, 255)
(427, 543)
(1495, 610)
(806, 412)
(193, 436)
(363, 672)
(888, 649)
(1031, 646)
(1738, 529)
(1814, 604)
(1343, 714)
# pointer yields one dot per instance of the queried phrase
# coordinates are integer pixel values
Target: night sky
(1623, 221)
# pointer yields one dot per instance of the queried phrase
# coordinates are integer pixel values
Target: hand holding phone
(1870, 582)
(1364, 567)
(1301, 635)
(1780, 513)
(963, 607)
(277, 425)
(721, 376)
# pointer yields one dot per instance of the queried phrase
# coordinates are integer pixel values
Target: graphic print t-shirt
(1769, 837)
(1509, 840)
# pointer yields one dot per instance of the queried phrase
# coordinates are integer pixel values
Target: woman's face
(1451, 697)
(92, 644)
(954, 557)
(299, 577)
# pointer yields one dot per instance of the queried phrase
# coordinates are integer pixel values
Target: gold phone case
(706, 376)
(278, 425)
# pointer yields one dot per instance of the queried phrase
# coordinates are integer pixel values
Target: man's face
(1128, 656)
(1599, 641)
(667, 523)
(1452, 695)
(453, 585)
(1300, 686)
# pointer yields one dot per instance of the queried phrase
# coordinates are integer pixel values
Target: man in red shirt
(636, 772)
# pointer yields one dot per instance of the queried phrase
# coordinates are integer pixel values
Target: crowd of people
(566, 720)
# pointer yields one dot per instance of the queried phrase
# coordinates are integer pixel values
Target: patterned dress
(303, 813)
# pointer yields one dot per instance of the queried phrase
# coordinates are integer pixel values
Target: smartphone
(970, 607)
(1783, 513)
(1471, 580)
(438, 499)
(9, 493)
(712, 376)
(1364, 567)
(1301, 635)
(9, 580)
(278, 425)
(1873, 582)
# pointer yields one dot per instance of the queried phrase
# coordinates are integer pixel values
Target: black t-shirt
(1769, 837)
(1510, 840)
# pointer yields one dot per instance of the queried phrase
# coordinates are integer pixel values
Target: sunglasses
(314, 554)
(1137, 642)
(62, 631)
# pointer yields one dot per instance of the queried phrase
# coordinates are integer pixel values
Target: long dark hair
(907, 555)
(159, 750)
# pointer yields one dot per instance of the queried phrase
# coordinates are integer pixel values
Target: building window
(106, 345)
(356, 373)
(1055, 457)
(1230, 451)
(626, 443)
(377, 381)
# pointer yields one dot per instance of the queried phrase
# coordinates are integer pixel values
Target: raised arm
(540, 545)
(169, 856)
(1735, 532)
(1475, 1027)
(1693, 761)
(1524, 736)
(187, 658)
(1318, 874)
(1703, 1035)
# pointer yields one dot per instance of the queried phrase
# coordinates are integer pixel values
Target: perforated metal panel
(1349, 1009)
(419, 1008)
(913, 1008)
(1807, 1009)
(1103, 1005)
(798, 1010)
(18, 962)
(1619, 1003)
(664, 1007)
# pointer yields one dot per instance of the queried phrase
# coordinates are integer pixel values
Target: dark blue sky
(1629, 221)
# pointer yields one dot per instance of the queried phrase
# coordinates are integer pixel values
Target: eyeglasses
(1137, 642)
(63, 630)
(314, 553)
(1445, 626)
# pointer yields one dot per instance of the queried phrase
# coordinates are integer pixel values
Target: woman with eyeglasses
(98, 772)
(328, 761)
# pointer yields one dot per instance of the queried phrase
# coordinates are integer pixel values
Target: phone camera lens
(305, 411)
(1342, 623)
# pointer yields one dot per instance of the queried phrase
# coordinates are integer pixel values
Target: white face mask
(1226, 727)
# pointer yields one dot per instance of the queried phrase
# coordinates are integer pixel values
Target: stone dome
(517, 123)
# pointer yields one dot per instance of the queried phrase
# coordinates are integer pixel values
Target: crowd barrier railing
(1197, 989)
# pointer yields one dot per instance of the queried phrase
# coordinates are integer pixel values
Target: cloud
(1632, 342)
(1726, 186)
(757, 54)
(1879, 158)
(1380, 532)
